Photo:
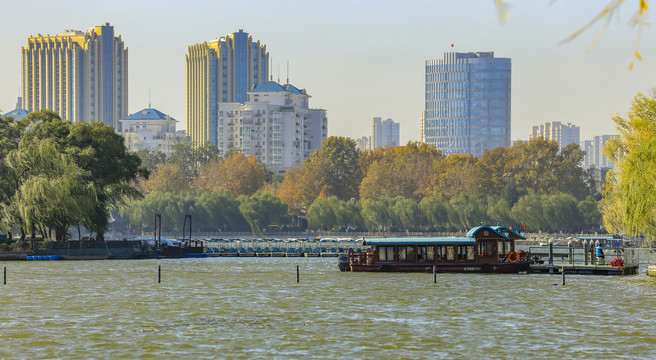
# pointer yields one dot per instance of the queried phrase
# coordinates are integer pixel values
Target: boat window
(507, 248)
(486, 248)
(425, 253)
(441, 252)
(450, 253)
(386, 253)
(470, 252)
(402, 253)
(462, 252)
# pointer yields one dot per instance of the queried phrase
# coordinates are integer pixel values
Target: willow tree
(53, 193)
(630, 195)
(98, 150)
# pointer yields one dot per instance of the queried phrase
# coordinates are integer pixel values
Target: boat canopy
(421, 241)
(505, 229)
(473, 231)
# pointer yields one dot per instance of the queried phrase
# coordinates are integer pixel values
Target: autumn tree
(166, 178)
(398, 171)
(455, 175)
(240, 174)
(302, 185)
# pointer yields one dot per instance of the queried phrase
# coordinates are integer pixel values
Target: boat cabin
(483, 245)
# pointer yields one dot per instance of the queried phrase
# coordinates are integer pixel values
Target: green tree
(499, 210)
(630, 197)
(322, 214)
(11, 132)
(436, 211)
(53, 192)
(97, 149)
(529, 211)
(405, 212)
(336, 166)
(377, 214)
(467, 211)
(150, 158)
(262, 210)
(190, 157)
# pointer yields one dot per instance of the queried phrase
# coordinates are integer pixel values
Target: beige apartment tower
(82, 76)
(220, 71)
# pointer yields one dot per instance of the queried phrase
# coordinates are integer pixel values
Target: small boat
(485, 249)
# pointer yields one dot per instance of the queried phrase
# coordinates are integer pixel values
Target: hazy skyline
(364, 59)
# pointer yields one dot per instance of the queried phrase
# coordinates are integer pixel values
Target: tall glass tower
(221, 70)
(467, 103)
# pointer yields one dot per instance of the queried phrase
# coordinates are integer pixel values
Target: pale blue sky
(360, 59)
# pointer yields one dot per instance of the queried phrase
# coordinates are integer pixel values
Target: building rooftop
(272, 86)
(17, 114)
(149, 114)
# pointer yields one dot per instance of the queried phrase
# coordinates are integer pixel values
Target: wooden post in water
(5, 277)
(434, 274)
(571, 252)
(585, 251)
(159, 274)
(550, 257)
(297, 275)
(562, 269)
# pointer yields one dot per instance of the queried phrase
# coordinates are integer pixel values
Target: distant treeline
(413, 187)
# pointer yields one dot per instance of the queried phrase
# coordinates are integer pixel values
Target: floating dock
(583, 260)
(583, 269)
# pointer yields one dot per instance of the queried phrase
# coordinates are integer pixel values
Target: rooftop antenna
(149, 106)
(271, 68)
(278, 72)
(287, 71)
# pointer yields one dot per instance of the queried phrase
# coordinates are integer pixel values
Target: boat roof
(421, 241)
(473, 231)
(502, 229)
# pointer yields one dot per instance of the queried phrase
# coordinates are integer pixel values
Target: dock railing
(584, 255)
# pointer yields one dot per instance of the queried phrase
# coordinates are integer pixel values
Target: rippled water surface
(253, 308)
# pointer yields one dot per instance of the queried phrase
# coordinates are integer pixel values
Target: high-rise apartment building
(363, 143)
(82, 76)
(467, 103)
(564, 134)
(594, 152)
(218, 71)
(384, 133)
(276, 126)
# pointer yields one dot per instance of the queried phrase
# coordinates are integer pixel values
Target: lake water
(253, 308)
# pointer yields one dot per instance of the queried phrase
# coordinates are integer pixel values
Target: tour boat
(485, 249)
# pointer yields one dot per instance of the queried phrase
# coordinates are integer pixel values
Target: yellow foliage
(167, 178)
(240, 174)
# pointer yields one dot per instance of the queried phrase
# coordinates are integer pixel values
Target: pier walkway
(556, 259)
